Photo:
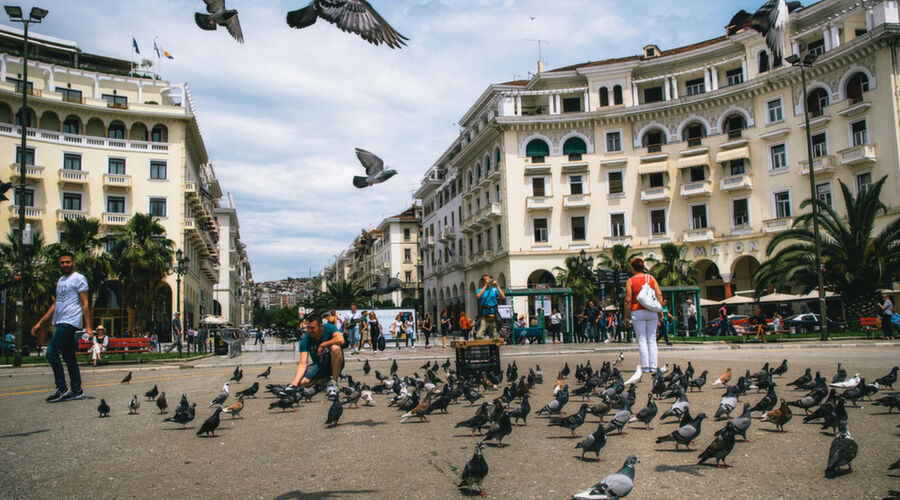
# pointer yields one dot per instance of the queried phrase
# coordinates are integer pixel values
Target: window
(407, 254)
(734, 76)
(574, 148)
(859, 133)
(69, 95)
(604, 96)
(540, 231)
(159, 134)
(18, 84)
(157, 170)
(654, 140)
(571, 104)
(656, 180)
(819, 145)
(71, 161)
(115, 101)
(863, 183)
(616, 182)
(537, 187)
(653, 94)
(859, 31)
(817, 47)
(617, 225)
(698, 173)
(115, 204)
(763, 61)
(497, 157)
(695, 133)
(537, 150)
(478, 243)
(695, 87)
(856, 85)
(782, 204)
(72, 125)
(158, 207)
(698, 217)
(29, 197)
(778, 156)
(29, 155)
(406, 234)
(776, 111)
(116, 130)
(471, 247)
(407, 276)
(658, 222)
(579, 231)
(733, 125)
(487, 198)
(576, 185)
(617, 95)
(816, 102)
(72, 201)
(823, 193)
(488, 240)
(478, 171)
(613, 141)
(499, 238)
(740, 212)
(496, 193)
(116, 166)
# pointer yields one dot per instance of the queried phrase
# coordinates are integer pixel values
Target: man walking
(352, 322)
(70, 311)
(176, 333)
(488, 297)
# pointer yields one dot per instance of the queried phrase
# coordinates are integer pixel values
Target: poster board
(505, 312)
(385, 318)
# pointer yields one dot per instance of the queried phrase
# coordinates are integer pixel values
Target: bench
(747, 329)
(526, 332)
(121, 346)
(871, 325)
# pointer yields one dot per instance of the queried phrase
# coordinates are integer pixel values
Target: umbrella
(737, 300)
(707, 302)
(212, 320)
(610, 308)
(814, 294)
(778, 297)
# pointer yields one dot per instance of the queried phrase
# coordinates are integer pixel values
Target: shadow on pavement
(683, 469)
(364, 423)
(296, 494)
(24, 434)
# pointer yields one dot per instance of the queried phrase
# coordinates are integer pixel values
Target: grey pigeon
(555, 407)
(843, 451)
(647, 413)
(678, 408)
(221, 397)
(571, 422)
(183, 417)
(727, 404)
(334, 413)
(593, 442)
(162, 404)
(521, 411)
(351, 16)
(103, 408)
(721, 446)
(476, 469)
(211, 424)
(685, 434)
(152, 393)
(620, 419)
(742, 422)
(499, 429)
(616, 485)
(375, 172)
(217, 16)
(134, 405)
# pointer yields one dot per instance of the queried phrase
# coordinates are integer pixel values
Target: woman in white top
(555, 325)
(410, 333)
(101, 340)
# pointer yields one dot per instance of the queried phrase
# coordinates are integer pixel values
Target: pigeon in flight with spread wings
(352, 16)
(217, 16)
(375, 172)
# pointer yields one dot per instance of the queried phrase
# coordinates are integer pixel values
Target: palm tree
(41, 273)
(619, 258)
(82, 237)
(673, 269)
(142, 256)
(578, 274)
(340, 295)
(856, 262)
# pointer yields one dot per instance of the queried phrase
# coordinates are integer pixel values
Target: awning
(733, 154)
(653, 168)
(693, 161)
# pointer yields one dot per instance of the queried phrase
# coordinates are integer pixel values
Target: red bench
(121, 346)
(871, 325)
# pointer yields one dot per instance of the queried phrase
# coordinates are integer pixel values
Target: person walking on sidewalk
(427, 328)
(887, 313)
(465, 324)
(176, 333)
(644, 320)
(70, 311)
(666, 320)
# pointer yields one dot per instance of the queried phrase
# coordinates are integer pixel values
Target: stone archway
(709, 279)
(160, 317)
(742, 270)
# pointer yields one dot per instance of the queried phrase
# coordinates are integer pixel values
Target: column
(714, 77)
(51, 81)
(558, 106)
(140, 92)
(707, 84)
(795, 46)
(836, 37)
(744, 69)
(587, 102)
(870, 19)
(726, 277)
(518, 110)
(2, 67)
(674, 87)
(667, 95)
(826, 35)
(634, 95)
(96, 88)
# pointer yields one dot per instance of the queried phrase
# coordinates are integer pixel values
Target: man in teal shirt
(320, 353)
(489, 296)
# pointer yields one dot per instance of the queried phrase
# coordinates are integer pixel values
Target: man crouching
(321, 356)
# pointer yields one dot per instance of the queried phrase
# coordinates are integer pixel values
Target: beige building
(702, 145)
(107, 145)
(234, 290)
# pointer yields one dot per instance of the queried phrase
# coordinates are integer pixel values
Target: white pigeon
(636, 377)
(134, 405)
(367, 397)
(620, 359)
(850, 382)
(221, 397)
(664, 369)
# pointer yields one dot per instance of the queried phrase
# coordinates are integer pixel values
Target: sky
(282, 113)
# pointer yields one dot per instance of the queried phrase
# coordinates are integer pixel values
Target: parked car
(712, 328)
(808, 322)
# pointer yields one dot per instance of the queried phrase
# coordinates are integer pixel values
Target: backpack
(380, 343)
(647, 297)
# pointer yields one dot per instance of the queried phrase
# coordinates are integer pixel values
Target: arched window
(72, 125)
(469, 178)
(116, 130)
(497, 157)
(32, 120)
(734, 124)
(856, 85)
(694, 133)
(763, 61)
(537, 150)
(574, 147)
(159, 134)
(617, 95)
(816, 101)
(653, 140)
(487, 163)
(604, 96)
(478, 171)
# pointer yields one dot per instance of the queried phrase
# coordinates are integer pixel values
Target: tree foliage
(340, 295)
(673, 269)
(578, 274)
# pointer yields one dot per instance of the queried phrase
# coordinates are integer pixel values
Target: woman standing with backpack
(642, 315)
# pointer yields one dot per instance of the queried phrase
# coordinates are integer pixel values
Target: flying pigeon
(721, 446)
(103, 408)
(770, 20)
(235, 408)
(334, 413)
(217, 16)
(475, 470)
(127, 379)
(134, 405)
(375, 172)
(211, 424)
(593, 442)
(843, 451)
(616, 485)
(221, 397)
(162, 404)
(351, 16)
(152, 393)
(265, 374)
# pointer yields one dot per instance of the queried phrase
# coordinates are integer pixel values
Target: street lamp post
(181, 267)
(804, 63)
(35, 16)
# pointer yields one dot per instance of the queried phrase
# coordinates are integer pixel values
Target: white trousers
(645, 322)
(96, 349)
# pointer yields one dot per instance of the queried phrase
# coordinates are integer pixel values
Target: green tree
(41, 273)
(620, 257)
(340, 295)
(286, 318)
(578, 274)
(673, 269)
(856, 262)
(142, 256)
(81, 236)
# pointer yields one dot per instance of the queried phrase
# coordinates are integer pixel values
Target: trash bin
(220, 347)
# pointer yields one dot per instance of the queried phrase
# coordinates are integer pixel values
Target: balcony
(427, 241)
(863, 154)
(455, 263)
(701, 234)
(611, 241)
(494, 174)
(855, 107)
(539, 169)
(72, 176)
(536, 203)
(485, 257)
(702, 188)
(576, 200)
(489, 213)
(64, 215)
(438, 268)
(570, 168)
(116, 181)
(86, 140)
(777, 225)
(31, 171)
(114, 219)
(823, 164)
(31, 213)
(191, 193)
(448, 233)
(209, 269)
(736, 183)
(655, 194)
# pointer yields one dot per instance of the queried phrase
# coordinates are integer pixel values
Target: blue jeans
(64, 342)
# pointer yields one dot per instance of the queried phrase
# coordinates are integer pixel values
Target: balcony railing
(428, 241)
(31, 171)
(858, 155)
(539, 203)
(115, 219)
(736, 182)
(117, 180)
(576, 200)
(448, 233)
(610, 241)
(701, 234)
(84, 140)
(31, 213)
(776, 225)
(64, 215)
(72, 176)
(655, 194)
(822, 164)
(702, 188)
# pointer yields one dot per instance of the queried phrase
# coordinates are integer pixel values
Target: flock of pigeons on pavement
(604, 393)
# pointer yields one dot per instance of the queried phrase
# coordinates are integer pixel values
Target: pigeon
(802, 379)
(566, 370)
(724, 379)
(593, 442)
(779, 416)
(614, 486)
(767, 402)
(834, 419)
(855, 393)
(770, 20)
(366, 367)
(600, 409)
(807, 402)
(235, 408)
(351, 16)
(366, 396)
(840, 375)
(619, 360)
(555, 406)
(842, 452)
(888, 380)
(221, 397)
(152, 393)
(266, 373)
(685, 434)
(781, 369)
(375, 172)
(183, 417)
(742, 423)
(847, 383)
(334, 413)
(721, 446)
(103, 408)
(678, 408)
(419, 410)
(571, 422)
(619, 420)
(698, 382)
(478, 421)
(162, 404)
(217, 16)
(127, 379)
(238, 374)
(636, 377)
(521, 411)
(441, 403)
(134, 405)
(394, 367)
(647, 413)
(250, 391)
(499, 429)
(895, 465)
(476, 469)
(762, 373)
(890, 402)
(729, 402)
(183, 404)
(285, 402)
(211, 424)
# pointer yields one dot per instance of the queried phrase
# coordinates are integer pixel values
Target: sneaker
(70, 395)
(56, 395)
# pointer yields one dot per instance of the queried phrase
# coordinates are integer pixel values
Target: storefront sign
(726, 249)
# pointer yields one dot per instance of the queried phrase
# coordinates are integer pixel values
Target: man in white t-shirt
(351, 322)
(68, 310)
(689, 312)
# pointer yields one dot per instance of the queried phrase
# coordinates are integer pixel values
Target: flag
(170, 56)
(134, 43)
(156, 48)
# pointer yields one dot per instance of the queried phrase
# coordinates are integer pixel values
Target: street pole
(20, 300)
(178, 303)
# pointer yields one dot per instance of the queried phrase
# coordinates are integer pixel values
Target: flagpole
(156, 49)
(132, 55)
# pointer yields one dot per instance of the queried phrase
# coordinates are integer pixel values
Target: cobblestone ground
(64, 450)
